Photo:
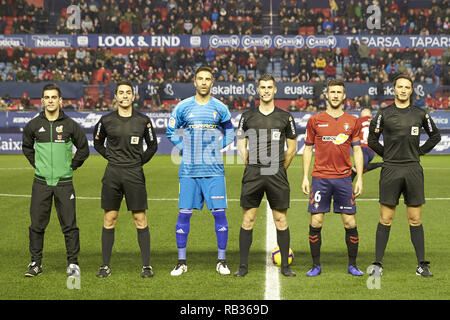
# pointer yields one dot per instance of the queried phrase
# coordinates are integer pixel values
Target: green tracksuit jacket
(48, 147)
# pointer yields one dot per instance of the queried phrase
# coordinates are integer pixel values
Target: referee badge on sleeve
(414, 131)
(134, 140)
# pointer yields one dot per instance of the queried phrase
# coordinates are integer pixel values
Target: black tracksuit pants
(41, 205)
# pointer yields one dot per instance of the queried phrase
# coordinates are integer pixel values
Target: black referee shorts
(254, 185)
(124, 181)
(404, 179)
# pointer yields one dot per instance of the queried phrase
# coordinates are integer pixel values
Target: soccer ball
(276, 256)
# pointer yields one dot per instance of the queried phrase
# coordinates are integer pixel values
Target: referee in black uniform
(125, 130)
(400, 124)
(266, 129)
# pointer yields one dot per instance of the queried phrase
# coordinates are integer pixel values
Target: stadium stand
(96, 68)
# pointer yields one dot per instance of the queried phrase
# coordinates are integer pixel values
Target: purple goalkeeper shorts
(340, 189)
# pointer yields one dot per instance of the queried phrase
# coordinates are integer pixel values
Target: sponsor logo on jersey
(339, 139)
(203, 126)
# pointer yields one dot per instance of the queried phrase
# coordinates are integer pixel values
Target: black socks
(107, 245)
(245, 242)
(315, 242)
(143, 236)
(283, 240)
(418, 241)
(352, 241)
(381, 240)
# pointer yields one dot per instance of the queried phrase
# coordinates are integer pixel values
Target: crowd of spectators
(159, 66)
(359, 64)
(228, 17)
(351, 16)
(140, 17)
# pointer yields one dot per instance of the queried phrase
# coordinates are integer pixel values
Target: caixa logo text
(45, 41)
(289, 42)
(323, 42)
(217, 41)
(249, 41)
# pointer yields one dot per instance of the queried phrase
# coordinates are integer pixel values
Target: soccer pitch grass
(201, 282)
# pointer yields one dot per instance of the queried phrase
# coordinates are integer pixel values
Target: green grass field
(202, 282)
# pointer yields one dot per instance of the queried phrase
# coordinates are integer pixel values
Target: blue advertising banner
(285, 90)
(12, 142)
(87, 120)
(221, 41)
(172, 91)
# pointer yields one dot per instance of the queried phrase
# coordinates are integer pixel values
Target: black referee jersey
(266, 135)
(124, 139)
(401, 134)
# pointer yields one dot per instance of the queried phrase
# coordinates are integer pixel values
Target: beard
(335, 105)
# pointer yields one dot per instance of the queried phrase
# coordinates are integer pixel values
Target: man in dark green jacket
(47, 144)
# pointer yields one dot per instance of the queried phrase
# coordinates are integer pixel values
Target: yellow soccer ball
(276, 256)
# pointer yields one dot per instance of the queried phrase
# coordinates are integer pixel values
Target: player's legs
(283, 240)
(352, 242)
(416, 229)
(190, 197)
(65, 205)
(368, 156)
(315, 237)
(109, 222)
(387, 214)
(143, 236)
(390, 188)
(40, 208)
(278, 195)
(418, 240)
(246, 234)
(214, 192)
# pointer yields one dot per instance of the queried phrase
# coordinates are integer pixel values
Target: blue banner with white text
(221, 41)
(12, 124)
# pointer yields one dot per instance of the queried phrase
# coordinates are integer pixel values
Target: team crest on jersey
(59, 129)
(346, 126)
(172, 122)
(214, 115)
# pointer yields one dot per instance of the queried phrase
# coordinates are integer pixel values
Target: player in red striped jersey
(368, 153)
(333, 133)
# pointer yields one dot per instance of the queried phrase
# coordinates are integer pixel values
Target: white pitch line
(272, 284)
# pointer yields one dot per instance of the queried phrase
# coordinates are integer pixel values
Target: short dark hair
(335, 82)
(266, 77)
(51, 86)
(124, 83)
(403, 76)
(203, 68)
